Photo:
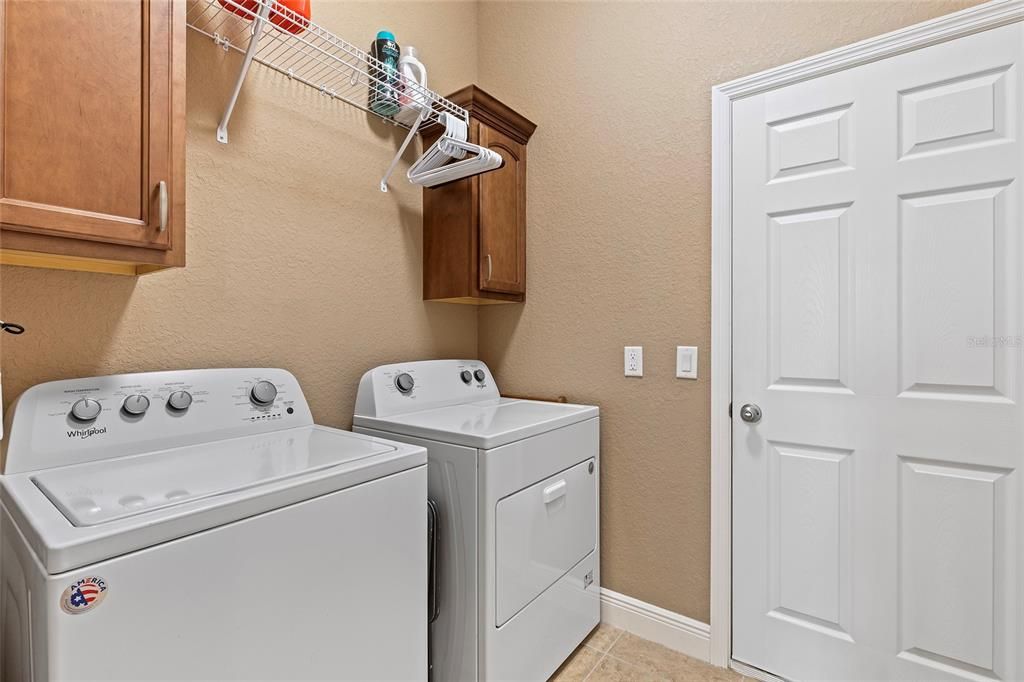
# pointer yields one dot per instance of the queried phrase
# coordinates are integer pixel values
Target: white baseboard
(653, 623)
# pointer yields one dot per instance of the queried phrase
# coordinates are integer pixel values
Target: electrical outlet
(634, 361)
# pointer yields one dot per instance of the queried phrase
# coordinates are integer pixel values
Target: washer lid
(486, 424)
(79, 514)
(100, 492)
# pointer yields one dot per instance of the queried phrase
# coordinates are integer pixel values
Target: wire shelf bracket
(266, 32)
(243, 71)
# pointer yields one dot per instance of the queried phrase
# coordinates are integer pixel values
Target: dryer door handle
(554, 491)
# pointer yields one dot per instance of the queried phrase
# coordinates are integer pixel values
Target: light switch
(686, 362)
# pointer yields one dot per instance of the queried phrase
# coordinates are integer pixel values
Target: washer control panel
(412, 386)
(65, 422)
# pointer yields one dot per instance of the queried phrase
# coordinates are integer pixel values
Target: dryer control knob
(404, 382)
(135, 405)
(263, 393)
(479, 374)
(179, 400)
(467, 376)
(86, 409)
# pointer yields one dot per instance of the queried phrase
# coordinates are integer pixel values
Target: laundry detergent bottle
(384, 84)
(413, 97)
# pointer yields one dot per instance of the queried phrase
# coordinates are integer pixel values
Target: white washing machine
(516, 483)
(197, 525)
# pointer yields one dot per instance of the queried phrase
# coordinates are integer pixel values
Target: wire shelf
(312, 55)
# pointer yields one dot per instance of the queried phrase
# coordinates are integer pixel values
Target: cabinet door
(503, 217)
(86, 107)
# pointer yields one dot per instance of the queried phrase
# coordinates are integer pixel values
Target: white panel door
(877, 297)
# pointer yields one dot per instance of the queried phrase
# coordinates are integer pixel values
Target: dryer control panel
(427, 384)
(81, 420)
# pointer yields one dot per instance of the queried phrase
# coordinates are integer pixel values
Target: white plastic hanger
(454, 129)
(442, 151)
(484, 160)
(433, 168)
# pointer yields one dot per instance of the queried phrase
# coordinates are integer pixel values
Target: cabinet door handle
(489, 267)
(162, 195)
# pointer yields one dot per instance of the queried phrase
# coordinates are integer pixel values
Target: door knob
(750, 413)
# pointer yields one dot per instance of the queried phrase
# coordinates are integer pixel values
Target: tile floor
(612, 655)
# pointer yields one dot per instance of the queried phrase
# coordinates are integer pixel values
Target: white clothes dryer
(517, 487)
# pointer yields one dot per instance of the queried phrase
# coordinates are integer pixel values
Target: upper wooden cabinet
(474, 230)
(92, 106)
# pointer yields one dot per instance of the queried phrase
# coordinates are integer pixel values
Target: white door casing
(876, 320)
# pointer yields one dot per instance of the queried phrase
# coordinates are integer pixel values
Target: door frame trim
(950, 27)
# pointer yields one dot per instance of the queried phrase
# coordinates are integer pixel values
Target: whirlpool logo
(86, 433)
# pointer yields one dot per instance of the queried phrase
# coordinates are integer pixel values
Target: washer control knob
(404, 382)
(135, 405)
(179, 400)
(263, 393)
(467, 376)
(479, 375)
(86, 409)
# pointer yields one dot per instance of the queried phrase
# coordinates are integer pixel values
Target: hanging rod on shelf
(261, 30)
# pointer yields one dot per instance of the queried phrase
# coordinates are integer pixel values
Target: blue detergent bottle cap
(385, 35)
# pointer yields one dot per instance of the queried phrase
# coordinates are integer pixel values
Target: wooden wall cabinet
(92, 111)
(474, 230)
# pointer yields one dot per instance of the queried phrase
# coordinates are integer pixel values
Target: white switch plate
(634, 361)
(686, 362)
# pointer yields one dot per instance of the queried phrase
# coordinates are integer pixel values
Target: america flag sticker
(83, 595)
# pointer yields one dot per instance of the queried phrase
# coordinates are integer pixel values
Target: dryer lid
(486, 424)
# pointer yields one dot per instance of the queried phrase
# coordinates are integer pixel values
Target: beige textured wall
(619, 238)
(295, 258)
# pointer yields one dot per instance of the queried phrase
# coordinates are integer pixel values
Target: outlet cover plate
(633, 361)
(686, 362)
